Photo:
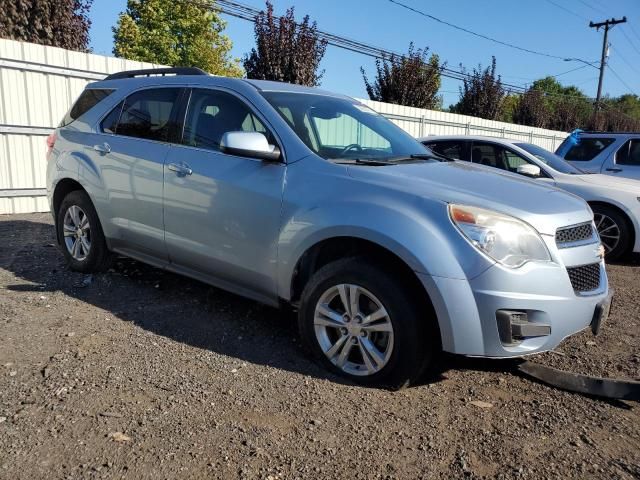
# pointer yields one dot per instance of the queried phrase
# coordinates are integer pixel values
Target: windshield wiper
(432, 156)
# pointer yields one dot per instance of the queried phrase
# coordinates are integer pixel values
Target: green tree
(58, 23)
(176, 33)
(481, 94)
(412, 80)
(285, 51)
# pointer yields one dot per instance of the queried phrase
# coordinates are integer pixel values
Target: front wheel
(363, 324)
(614, 231)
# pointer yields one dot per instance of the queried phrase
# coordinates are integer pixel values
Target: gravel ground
(138, 373)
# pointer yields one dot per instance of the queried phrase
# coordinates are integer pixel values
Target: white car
(615, 201)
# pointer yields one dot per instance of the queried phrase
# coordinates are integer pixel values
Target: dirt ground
(138, 373)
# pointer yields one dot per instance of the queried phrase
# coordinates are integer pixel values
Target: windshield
(550, 159)
(338, 128)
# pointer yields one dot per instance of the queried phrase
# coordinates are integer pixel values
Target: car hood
(545, 208)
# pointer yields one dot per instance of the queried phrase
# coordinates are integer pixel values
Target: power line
(629, 64)
(629, 40)
(567, 10)
(621, 80)
(597, 9)
(245, 12)
(480, 35)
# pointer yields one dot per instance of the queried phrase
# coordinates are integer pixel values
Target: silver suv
(609, 153)
(292, 195)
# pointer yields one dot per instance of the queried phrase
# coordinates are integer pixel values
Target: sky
(556, 27)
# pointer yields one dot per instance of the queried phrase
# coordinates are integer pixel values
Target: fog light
(514, 326)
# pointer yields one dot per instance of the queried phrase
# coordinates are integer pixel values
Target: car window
(341, 132)
(629, 153)
(110, 123)
(450, 149)
(339, 128)
(550, 159)
(587, 148)
(148, 114)
(85, 102)
(213, 113)
(497, 156)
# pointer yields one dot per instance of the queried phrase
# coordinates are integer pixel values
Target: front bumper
(467, 310)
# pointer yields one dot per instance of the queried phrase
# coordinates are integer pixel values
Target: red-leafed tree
(285, 51)
(58, 23)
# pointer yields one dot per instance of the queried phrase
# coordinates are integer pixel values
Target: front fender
(420, 233)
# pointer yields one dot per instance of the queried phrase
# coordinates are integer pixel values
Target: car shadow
(182, 309)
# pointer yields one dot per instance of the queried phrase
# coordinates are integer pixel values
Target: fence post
(468, 128)
(422, 124)
(531, 136)
(554, 142)
(502, 132)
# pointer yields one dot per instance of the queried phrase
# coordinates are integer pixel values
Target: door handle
(181, 169)
(104, 148)
(614, 169)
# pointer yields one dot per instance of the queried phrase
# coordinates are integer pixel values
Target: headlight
(506, 239)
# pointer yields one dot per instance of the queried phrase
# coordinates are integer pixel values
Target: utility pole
(607, 24)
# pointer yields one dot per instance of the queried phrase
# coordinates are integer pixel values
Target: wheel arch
(622, 211)
(63, 188)
(330, 249)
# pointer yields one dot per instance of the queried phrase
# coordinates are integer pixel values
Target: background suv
(288, 194)
(616, 154)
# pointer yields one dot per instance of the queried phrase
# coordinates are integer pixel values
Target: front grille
(573, 234)
(585, 278)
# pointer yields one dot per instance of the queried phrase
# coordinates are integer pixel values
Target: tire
(403, 354)
(92, 255)
(610, 224)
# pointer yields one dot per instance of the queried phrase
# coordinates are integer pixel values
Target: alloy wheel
(608, 230)
(353, 329)
(77, 233)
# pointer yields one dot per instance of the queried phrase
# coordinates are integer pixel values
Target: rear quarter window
(587, 149)
(85, 102)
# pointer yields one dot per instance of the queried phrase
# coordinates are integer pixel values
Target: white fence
(420, 123)
(38, 84)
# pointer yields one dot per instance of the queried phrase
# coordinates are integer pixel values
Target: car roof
(210, 80)
(607, 134)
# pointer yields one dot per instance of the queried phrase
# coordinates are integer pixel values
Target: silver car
(292, 195)
(614, 201)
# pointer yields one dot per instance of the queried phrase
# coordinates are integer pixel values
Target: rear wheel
(363, 324)
(80, 233)
(614, 231)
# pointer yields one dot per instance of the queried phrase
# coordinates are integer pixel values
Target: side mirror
(249, 144)
(529, 170)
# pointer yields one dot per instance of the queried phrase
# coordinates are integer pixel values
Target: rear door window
(85, 102)
(150, 114)
(587, 148)
(629, 153)
(450, 149)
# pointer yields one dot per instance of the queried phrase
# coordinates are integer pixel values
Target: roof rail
(156, 71)
(605, 132)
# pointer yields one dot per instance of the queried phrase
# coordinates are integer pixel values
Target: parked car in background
(287, 194)
(614, 201)
(609, 153)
